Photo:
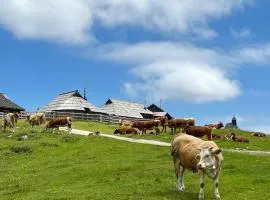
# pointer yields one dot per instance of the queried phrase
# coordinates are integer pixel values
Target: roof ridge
(69, 92)
(126, 101)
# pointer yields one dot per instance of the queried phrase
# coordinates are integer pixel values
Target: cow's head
(207, 158)
(220, 125)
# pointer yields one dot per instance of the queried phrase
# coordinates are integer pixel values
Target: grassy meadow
(61, 166)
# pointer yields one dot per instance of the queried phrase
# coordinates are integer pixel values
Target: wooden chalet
(158, 112)
(6, 105)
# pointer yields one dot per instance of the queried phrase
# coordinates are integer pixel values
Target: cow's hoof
(181, 188)
(217, 197)
(201, 197)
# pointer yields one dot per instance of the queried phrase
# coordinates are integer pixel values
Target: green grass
(62, 166)
(255, 142)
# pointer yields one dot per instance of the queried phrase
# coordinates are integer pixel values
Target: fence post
(100, 117)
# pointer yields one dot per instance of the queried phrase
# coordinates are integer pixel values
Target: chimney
(84, 94)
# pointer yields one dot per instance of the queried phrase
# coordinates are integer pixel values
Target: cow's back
(185, 147)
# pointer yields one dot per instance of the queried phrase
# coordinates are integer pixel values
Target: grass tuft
(21, 148)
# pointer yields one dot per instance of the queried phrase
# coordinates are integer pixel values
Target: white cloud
(255, 54)
(175, 71)
(241, 33)
(71, 21)
(67, 21)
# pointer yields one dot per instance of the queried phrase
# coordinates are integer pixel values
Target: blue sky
(208, 60)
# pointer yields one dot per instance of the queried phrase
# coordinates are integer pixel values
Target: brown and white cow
(258, 134)
(10, 120)
(59, 121)
(238, 139)
(199, 131)
(124, 122)
(146, 125)
(163, 122)
(215, 126)
(180, 123)
(36, 119)
(124, 131)
(192, 153)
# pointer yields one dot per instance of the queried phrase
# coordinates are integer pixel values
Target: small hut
(125, 109)
(70, 102)
(6, 105)
(158, 112)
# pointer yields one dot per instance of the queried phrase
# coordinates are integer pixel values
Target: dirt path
(153, 142)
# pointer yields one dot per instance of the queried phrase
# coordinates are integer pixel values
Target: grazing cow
(180, 123)
(36, 119)
(192, 153)
(124, 122)
(10, 120)
(199, 131)
(215, 126)
(236, 139)
(222, 137)
(146, 125)
(59, 121)
(123, 131)
(258, 134)
(163, 122)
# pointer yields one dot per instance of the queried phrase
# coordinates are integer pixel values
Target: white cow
(197, 155)
(10, 120)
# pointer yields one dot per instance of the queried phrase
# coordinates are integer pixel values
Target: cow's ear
(217, 151)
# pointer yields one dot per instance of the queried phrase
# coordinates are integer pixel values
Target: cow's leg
(216, 182)
(179, 172)
(181, 186)
(201, 194)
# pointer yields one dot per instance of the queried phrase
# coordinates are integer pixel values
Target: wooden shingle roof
(125, 109)
(6, 103)
(69, 101)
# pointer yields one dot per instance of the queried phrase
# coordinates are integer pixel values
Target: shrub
(21, 148)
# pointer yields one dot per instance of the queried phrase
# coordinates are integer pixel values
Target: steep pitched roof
(155, 108)
(6, 103)
(125, 109)
(158, 112)
(69, 101)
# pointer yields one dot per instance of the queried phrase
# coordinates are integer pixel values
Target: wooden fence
(98, 117)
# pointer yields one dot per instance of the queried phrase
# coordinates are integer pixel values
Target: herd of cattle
(38, 119)
(187, 149)
(187, 125)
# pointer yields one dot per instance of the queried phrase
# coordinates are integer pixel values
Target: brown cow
(180, 123)
(124, 122)
(10, 120)
(199, 131)
(123, 131)
(146, 125)
(36, 119)
(59, 121)
(222, 137)
(215, 126)
(258, 134)
(236, 139)
(197, 155)
(163, 122)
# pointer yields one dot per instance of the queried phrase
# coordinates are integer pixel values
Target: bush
(21, 149)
